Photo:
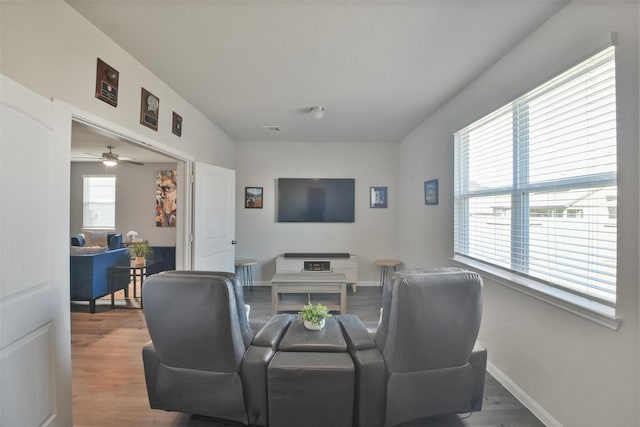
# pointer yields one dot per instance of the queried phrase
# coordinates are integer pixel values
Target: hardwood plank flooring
(108, 377)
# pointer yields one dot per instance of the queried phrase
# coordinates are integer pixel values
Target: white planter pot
(313, 326)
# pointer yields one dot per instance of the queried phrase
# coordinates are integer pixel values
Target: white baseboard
(367, 284)
(523, 397)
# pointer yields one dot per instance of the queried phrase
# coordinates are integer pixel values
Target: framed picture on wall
(166, 198)
(431, 192)
(377, 197)
(176, 124)
(253, 197)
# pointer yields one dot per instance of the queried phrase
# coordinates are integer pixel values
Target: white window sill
(591, 310)
(99, 229)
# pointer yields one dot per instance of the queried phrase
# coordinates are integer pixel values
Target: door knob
(234, 242)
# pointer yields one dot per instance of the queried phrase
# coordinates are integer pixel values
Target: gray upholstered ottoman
(311, 379)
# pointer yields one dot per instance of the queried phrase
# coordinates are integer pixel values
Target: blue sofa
(165, 258)
(91, 274)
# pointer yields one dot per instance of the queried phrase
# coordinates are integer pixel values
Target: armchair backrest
(430, 319)
(245, 328)
(193, 322)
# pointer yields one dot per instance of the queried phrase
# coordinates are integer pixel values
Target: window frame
(86, 203)
(560, 296)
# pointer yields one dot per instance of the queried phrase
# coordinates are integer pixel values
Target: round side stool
(245, 266)
(385, 265)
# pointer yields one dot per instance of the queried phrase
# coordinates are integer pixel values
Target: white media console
(319, 262)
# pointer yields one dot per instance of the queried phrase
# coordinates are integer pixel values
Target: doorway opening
(151, 194)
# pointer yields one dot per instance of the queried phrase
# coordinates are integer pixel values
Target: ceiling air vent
(271, 128)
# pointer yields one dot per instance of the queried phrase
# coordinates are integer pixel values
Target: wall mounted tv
(316, 200)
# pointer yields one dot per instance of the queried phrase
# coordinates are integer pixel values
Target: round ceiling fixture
(317, 112)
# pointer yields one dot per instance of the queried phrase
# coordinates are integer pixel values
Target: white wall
(371, 236)
(135, 199)
(580, 373)
(50, 48)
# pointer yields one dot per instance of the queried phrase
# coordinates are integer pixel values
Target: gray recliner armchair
(427, 337)
(424, 360)
(198, 351)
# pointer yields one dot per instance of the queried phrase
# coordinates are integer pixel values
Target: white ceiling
(88, 144)
(378, 67)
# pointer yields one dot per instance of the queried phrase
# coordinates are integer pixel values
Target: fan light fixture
(317, 112)
(109, 159)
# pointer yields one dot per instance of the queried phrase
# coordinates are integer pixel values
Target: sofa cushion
(86, 250)
(77, 240)
(95, 238)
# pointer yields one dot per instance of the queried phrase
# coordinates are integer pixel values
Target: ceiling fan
(112, 159)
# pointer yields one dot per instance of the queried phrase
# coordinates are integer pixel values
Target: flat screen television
(316, 200)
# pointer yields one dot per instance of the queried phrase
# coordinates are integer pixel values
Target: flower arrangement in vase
(132, 235)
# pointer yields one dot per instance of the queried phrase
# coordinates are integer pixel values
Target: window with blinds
(99, 202)
(535, 183)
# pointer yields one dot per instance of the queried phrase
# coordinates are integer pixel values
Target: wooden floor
(108, 378)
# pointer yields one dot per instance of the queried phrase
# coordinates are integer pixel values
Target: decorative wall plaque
(149, 109)
(176, 126)
(107, 83)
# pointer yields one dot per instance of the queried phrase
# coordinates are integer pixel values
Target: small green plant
(139, 249)
(314, 313)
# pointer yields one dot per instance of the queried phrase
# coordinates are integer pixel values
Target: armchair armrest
(254, 367)
(272, 332)
(478, 362)
(355, 333)
(253, 373)
(371, 375)
(151, 364)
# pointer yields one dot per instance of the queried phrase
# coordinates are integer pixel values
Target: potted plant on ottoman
(313, 316)
(140, 251)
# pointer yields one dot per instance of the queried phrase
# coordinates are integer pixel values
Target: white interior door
(35, 341)
(214, 218)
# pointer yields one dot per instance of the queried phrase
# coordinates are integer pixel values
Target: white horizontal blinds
(536, 183)
(99, 202)
(577, 109)
(483, 188)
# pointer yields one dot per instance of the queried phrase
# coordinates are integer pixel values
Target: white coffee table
(319, 282)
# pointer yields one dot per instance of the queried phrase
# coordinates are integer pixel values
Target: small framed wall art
(377, 197)
(431, 192)
(253, 197)
(176, 126)
(149, 109)
(107, 83)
